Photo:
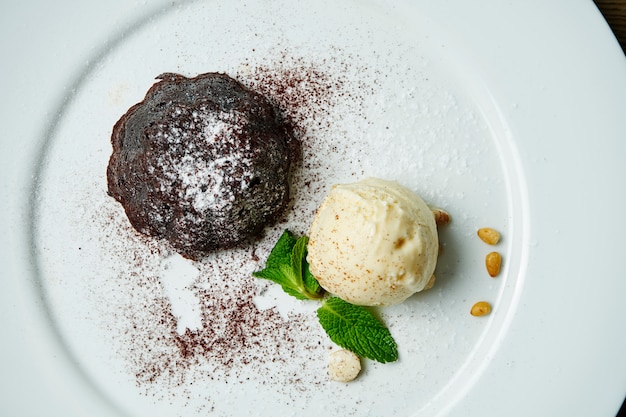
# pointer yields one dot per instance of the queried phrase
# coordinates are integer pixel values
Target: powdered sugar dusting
(366, 99)
(236, 341)
(195, 173)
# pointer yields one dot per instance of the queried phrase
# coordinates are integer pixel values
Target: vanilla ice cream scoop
(373, 242)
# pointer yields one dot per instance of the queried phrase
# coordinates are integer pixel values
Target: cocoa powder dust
(236, 341)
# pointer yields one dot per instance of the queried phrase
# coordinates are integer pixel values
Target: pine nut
(481, 308)
(493, 261)
(441, 216)
(488, 235)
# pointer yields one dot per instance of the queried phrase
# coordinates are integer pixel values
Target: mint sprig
(349, 326)
(355, 328)
(287, 266)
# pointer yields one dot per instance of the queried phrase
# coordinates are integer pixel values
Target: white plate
(506, 115)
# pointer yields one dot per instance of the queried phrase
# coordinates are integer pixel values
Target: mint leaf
(286, 265)
(298, 254)
(284, 277)
(299, 263)
(310, 282)
(292, 283)
(356, 329)
(271, 274)
(281, 253)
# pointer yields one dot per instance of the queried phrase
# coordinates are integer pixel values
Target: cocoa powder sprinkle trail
(237, 341)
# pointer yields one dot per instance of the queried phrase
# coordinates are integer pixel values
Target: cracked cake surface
(201, 162)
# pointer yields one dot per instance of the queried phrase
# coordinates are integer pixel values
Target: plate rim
(609, 55)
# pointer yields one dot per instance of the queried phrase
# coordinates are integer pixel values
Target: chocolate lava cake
(202, 162)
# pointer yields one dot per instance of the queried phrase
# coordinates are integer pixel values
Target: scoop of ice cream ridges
(373, 242)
